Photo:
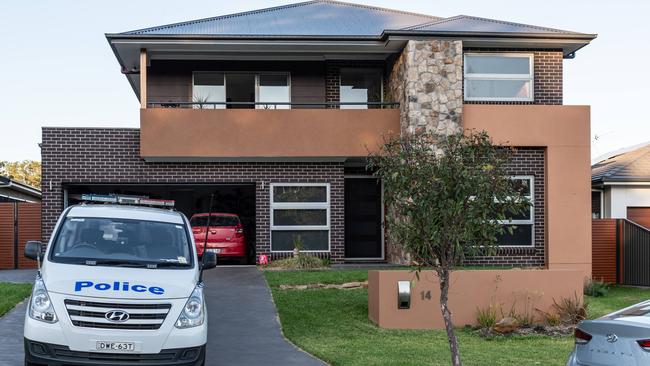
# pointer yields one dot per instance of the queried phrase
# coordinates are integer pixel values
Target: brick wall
(107, 156)
(547, 70)
(525, 161)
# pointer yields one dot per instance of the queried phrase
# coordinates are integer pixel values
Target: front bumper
(58, 355)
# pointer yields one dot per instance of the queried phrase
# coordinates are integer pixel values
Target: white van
(118, 285)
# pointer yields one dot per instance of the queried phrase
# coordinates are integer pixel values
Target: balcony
(263, 132)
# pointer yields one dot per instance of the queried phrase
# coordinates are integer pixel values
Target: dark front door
(363, 219)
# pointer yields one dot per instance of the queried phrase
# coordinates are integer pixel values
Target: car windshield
(122, 243)
(198, 221)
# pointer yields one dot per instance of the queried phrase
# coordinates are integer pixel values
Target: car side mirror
(34, 250)
(209, 260)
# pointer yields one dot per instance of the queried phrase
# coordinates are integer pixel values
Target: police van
(118, 285)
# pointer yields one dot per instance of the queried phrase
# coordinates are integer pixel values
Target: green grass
(333, 325)
(617, 298)
(329, 276)
(277, 278)
(11, 294)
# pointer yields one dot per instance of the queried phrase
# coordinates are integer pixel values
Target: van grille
(91, 314)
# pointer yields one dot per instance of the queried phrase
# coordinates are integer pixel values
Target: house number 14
(425, 295)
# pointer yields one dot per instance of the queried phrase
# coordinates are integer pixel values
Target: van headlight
(40, 305)
(193, 313)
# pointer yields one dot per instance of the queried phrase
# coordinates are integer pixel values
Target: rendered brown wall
(564, 131)
(249, 133)
(525, 290)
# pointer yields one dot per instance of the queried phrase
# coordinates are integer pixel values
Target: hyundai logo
(612, 338)
(116, 316)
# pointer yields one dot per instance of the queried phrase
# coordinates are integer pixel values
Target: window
(238, 90)
(360, 86)
(523, 233)
(273, 88)
(498, 77)
(300, 211)
(209, 87)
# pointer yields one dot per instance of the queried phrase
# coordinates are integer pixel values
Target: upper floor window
(499, 77)
(360, 86)
(241, 90)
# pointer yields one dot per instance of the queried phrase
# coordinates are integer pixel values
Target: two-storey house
(274, 112)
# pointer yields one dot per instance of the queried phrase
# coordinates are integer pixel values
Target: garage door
(236, 199)
(640, 215)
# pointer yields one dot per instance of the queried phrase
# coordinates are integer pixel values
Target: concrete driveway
(244, 327)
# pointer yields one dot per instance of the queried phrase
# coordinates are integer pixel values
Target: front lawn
(11, 294)
(333, 325)
(617, 298)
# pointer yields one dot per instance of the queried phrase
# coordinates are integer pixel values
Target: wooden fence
(19, 222)
(620, 252)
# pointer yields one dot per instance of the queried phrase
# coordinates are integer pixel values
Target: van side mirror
(209, 260)
(34, 250)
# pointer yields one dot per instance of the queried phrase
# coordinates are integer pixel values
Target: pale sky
(56, 68)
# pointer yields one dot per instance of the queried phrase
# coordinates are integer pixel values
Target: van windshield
(122, 243)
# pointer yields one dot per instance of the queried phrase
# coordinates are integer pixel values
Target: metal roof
(632, 166)
(319, 17)
(8, 183)
(467, 23)
(327, 18)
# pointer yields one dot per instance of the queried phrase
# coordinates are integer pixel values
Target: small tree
(446, 195)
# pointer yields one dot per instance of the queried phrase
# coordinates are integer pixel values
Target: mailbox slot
(403, 294)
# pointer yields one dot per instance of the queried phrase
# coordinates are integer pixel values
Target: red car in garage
(225, 234)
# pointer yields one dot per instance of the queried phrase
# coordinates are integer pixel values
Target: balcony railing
(274, 105)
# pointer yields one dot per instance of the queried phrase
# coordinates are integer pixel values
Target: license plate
(115, 346)
(214, 251)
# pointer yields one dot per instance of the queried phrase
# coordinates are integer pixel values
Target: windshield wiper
(171, 265)
(115, 263)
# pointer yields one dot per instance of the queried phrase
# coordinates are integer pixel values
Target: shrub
(570, 310)
(553, 319)
(596, 288)
(302, 261)
(486, 317)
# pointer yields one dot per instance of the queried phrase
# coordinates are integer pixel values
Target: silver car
(621, 338)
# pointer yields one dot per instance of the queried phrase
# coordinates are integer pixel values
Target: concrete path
(244, 327)
(17, 275)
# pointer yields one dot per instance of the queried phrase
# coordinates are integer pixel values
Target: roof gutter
(23, 188)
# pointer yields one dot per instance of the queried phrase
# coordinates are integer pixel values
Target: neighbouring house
(274, 111)
(620, 187)
(620, 206)
(13, 191)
